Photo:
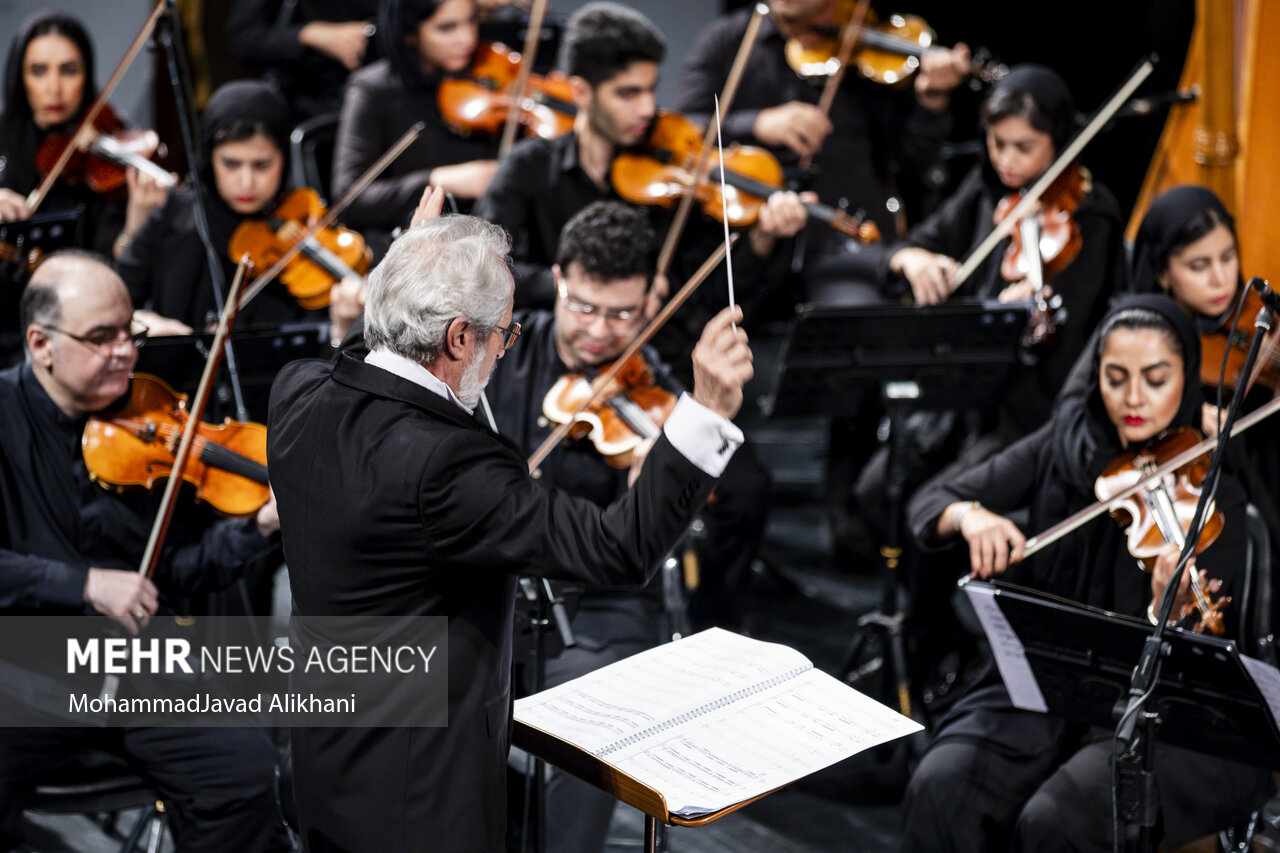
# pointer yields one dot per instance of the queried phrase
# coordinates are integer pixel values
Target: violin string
(724, 207)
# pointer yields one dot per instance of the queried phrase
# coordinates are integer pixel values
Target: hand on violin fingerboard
(941, 71)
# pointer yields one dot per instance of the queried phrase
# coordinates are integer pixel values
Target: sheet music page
(760, 743)
(1010, 655)
(1267, 677)
(656, 686)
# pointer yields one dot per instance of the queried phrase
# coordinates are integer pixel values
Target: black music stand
(951, 356)
(1082, 658)
(25, 243)
(179, 360)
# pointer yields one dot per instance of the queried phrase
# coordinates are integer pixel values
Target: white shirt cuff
(705, 438)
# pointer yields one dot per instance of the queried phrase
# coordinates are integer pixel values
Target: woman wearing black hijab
(423, 41)
(48, 85)
(244, 160)
(995, 776)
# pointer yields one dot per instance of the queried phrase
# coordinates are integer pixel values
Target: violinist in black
(70, 547)
(995, 775)
(245, 144)
(48, 85)
(423, 41)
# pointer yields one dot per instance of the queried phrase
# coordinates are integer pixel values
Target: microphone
(1269, 297)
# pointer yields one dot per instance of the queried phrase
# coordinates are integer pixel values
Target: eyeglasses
(509, 335)
(586, 309)
(102, 341)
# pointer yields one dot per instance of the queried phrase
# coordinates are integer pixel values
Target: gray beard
(471, 385)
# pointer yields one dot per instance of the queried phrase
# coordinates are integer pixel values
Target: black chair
(101, 784)
(1258, 633)
(311, 153)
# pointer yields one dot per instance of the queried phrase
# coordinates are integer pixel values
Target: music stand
(951, 356)
(1079, 660)
(179, 360)
(25, 243)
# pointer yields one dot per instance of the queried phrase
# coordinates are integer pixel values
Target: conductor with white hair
(394, 500)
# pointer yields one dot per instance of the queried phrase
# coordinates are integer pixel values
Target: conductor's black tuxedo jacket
(394, 501)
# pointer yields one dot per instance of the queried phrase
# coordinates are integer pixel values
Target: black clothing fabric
(1052, 472)
(423, 511)
(263, 37)
(56, 525)
(377, 109)
(877, 129)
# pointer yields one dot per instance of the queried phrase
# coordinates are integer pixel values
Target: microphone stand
(179, 79)
(1134, 796)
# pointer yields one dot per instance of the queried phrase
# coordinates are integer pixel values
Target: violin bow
(530, 50)
(602, 382)
(848, 40)
(726, 97)
(195, 410)
(371, 174)
(1072, 522)
(90, 116)
(724, 208)
(1068, 155)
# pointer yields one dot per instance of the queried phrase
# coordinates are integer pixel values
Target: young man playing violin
(70, 547)
(612, 60)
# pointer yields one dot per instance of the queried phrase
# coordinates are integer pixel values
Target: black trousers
(219, 782)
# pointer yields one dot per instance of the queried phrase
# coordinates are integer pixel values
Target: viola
(333, 254)
(631, 409)
(480, 100)
(887, 52)
(135, 447)
(660, 172)
(1233, 342)
(1160, 514)
(113, 148)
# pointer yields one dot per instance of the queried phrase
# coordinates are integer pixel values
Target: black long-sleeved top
(1085, 285)
(57, 524)
(311, 80)
(377, 109)
(874, 126)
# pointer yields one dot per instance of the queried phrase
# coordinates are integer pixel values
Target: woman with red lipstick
(998, 778)
(423, 41)
(48, 84)
(244, 149)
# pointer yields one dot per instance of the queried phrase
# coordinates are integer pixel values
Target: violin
(660, 172)
(325, 259)
(887, 52)
(1233, 342)
(1043, 244)
(135, 446)
(631, 409)
(480, 100)
(1160, 513)
(101, 165)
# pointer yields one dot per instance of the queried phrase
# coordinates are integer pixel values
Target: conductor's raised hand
(722, 363)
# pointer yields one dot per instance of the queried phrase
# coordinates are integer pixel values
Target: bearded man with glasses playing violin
(603, 274)
(70, 547)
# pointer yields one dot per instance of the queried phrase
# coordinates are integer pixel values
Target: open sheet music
(714, 719)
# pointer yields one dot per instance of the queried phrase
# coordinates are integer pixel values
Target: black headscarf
(19, 137)
(242, 100)
(1050, 93)
(1161, 227)
(1084, 439)
(397, 20)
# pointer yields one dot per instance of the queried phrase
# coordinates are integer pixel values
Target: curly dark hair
(603, 39)
(610, 240)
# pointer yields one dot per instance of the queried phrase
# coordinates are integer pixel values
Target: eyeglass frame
(589, 311)
(138, 339)
(512, 333)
